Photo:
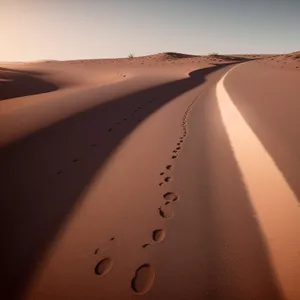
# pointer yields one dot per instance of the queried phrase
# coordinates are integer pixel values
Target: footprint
(59, 172)
(168, 179)
(158, 235)
(169, 167)
(109, 130)
(178, 148)
(143, 279)
(170, 196)
(146, 245)
(162, 173)
(161, 183)
(94, 145)
(174, 151)
(166, 211)
(75, 160)
(174, 156)
(103, 266)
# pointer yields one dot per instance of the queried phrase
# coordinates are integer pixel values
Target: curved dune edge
(273, 200)
(43, 110)
(34, 78)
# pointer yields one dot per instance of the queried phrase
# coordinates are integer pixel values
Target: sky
(85, 29)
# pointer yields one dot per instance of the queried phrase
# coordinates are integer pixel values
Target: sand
(153, 177)
(289, 62)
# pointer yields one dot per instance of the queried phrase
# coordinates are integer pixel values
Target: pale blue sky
(74, 29)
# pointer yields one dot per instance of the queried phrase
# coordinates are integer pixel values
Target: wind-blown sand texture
(167, 176)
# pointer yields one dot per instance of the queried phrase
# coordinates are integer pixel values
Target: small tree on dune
(213, 54)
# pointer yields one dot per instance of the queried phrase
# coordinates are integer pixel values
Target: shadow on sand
(24, 83)
(35, 203)
(237, 263)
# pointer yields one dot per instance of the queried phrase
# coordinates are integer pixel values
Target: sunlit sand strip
(275, 204)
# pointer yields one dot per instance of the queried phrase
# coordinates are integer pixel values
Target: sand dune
(123, 178)
(289, 61)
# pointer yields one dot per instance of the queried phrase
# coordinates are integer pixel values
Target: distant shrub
(131, 55)
(213, 54)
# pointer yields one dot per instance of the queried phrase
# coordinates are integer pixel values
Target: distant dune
(44, 76)
(289, 61)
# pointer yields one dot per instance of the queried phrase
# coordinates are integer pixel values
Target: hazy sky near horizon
(75, 29)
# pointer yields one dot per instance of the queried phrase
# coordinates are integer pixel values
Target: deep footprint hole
(166, 212)
(168, 179)
(169, 196)
(103, 266)
(143, 279)
(158, 235)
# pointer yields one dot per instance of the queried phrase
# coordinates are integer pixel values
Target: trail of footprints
(143, 278)
(113, 128)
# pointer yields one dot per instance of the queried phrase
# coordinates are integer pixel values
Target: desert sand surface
(167, 176)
